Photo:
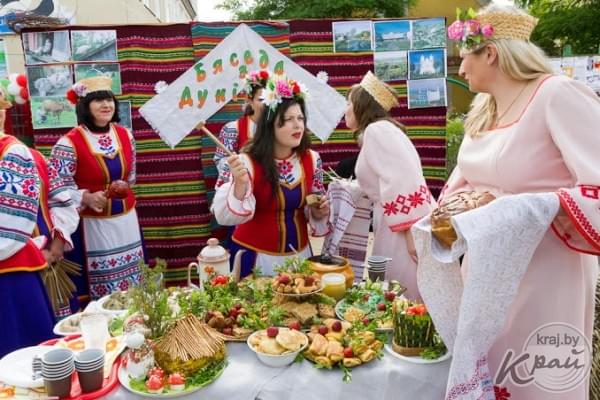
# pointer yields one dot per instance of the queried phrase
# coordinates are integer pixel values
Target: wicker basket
(407, 351)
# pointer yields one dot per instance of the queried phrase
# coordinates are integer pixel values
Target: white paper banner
(218, 78)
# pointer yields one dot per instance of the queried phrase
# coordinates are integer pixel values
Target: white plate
(59, 327)
(16, 368)
(418, 359)
(100, 307)
(124, 380)
(299, 295)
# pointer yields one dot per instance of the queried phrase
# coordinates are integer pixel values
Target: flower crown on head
(256, 79)
(471, 29)
(279, 87)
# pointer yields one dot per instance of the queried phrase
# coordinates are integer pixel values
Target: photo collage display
(411, 50)
(55, 60)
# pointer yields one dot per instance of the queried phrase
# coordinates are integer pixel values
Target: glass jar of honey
(334, 285)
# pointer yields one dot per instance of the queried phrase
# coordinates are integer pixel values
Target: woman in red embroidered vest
(389, 171)
(57, 219)
(531, 132)
(25, 311)
(235, 134)
(265, 188)
(96, 160)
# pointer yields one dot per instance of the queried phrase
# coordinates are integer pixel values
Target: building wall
(171, 11)
(86, 12)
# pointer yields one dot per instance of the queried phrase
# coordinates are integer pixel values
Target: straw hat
(96, 84)
(509, 25)
(381, 92)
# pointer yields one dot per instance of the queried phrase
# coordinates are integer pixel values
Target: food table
(246, 378)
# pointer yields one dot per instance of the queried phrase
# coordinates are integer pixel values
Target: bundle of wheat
(188, 346)
(59, 286)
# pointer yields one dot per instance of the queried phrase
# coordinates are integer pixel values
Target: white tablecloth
(246, 378)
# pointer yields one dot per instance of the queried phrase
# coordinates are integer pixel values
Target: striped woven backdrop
(170, 189)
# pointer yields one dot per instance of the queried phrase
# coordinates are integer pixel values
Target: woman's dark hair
(367, 110)
(262, 146)
(84, 115)
(248, 110)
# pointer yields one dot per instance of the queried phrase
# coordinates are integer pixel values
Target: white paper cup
(94, 330)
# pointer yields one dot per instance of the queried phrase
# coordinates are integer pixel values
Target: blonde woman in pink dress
(389, 172)
(530, 132)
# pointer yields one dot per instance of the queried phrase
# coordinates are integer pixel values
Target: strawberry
(219, 280)
(390, 296)
(381, 307)
(323, 330)
(348, 352)
(336, 326)
(228, 331)
(157, 371)
(295, 325)
(237, 306)
(366, 321)
(366, 297)
(233, 313)
(176, 379)
(309, 281)
(154, 383)
(272, 331)
(284, 279)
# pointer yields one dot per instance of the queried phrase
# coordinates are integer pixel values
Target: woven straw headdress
(380, 91)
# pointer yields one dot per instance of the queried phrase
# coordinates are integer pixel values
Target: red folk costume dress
(111, 239)
(271, 227)
(25, 310)
(57, 214)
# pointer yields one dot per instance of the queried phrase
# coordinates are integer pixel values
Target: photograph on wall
(351, 36)
(94, 45)
(52, 112)
(428, 33)
(46, 47)
(49, 80)
(427, 64)
(111, 70)
(391, 65)
(427, 93)
(125, 114)
(392, 35)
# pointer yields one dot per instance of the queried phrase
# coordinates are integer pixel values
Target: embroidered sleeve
(388, 162)
(132, 174)
(573, 118)
(317, 183)
(19, 197)
(63, 211)
(227, 209)
(64, 160)
(229, 137)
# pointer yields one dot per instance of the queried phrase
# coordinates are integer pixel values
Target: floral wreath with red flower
(468, 31)
(256, 79)
(279, 87)
(76, 92)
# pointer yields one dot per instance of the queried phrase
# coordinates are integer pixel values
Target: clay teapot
(213, 258)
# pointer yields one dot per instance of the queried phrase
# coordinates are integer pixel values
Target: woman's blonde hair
(519, 59)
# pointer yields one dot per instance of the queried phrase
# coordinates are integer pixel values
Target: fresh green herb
(347, 373)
